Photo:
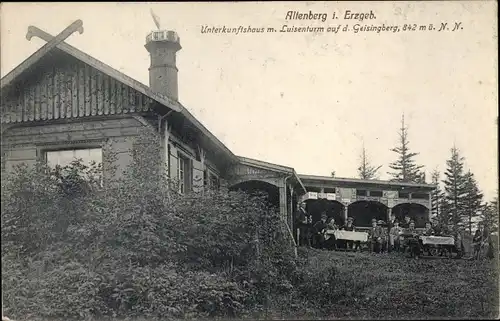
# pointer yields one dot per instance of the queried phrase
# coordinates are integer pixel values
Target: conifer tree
(490, 215)
(422, 177)
(404, 168)
(437, 197)
(472, 204)
(365, 169)
(445, 212)
(454, 187)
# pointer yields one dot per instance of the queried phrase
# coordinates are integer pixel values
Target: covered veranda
(279, 184)
(267, 190)
(333, 209)
(364, 200)
(417, 212)
(364, 211)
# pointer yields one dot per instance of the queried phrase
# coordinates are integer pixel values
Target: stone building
(67, 104)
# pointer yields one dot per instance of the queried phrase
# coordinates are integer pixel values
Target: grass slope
(382, 286)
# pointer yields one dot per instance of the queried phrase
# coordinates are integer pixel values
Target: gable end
(60, 86)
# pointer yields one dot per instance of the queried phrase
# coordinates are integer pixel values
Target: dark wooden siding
(68, 88)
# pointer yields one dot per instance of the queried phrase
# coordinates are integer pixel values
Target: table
(437, 240)
(347, 235)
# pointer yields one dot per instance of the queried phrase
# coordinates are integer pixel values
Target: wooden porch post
(282, 191)
(290, 214)
(166, 154)
(286, 217)
(429, 213)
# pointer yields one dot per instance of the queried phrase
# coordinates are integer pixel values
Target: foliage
(404, 168)
(365, 169)
(472, 204)
(462, 202)
(454, 187)
(490, 215)
(437, 196)
(74, 248)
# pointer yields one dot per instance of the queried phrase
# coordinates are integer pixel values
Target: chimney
(162, 46)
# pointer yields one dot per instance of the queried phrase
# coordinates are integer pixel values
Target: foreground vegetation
(338, 285)
(73, 248)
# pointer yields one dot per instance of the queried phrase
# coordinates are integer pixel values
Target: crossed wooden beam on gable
(51, 43)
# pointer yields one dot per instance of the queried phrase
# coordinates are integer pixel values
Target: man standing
(390, 225)
(375, 237)
(303, 221)
(482, 241)
(489, 241)
(392, 219)
(477, 241)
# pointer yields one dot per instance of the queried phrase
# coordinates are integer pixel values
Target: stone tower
(162, 46)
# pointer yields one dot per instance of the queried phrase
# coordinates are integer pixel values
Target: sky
(307, 100)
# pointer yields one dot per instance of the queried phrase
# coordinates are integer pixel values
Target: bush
(73, 248)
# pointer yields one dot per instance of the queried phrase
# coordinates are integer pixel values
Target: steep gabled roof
(102, 67)
(126, 80)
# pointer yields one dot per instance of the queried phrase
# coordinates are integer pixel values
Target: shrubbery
(73, 247)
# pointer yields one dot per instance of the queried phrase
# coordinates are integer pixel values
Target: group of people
(407, 238)
(394, 236)
(314, 235)
(380, 238)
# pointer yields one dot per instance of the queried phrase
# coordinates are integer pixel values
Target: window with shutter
(184, 174)
(214, 181)
(197, 170)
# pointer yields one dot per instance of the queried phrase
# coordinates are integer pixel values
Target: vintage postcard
(249, 160)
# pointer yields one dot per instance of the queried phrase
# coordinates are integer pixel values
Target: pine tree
(365, 169)
(444, 218)
(437, 197)
(405, 168)
(454, 187)
(490, 215)
(422, 178)
(472, 203)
